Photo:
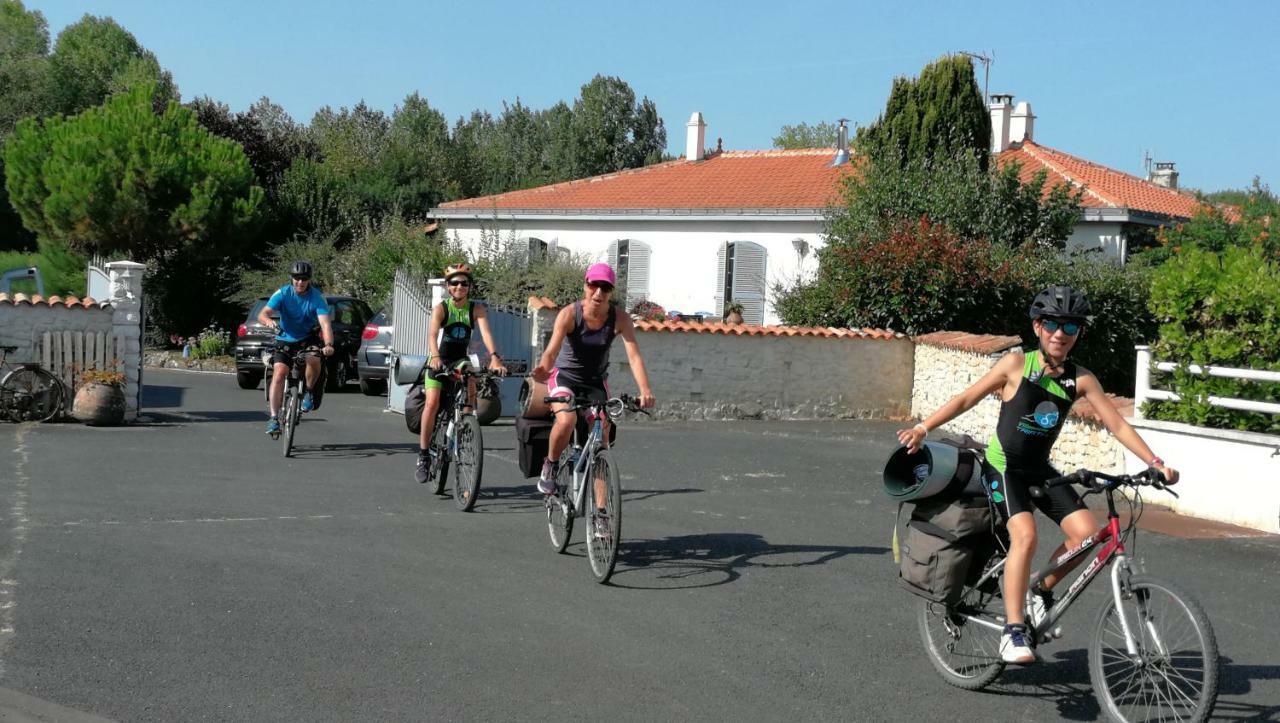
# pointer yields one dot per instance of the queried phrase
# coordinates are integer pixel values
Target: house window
(740, 277)
(630, 261)
(537, 249)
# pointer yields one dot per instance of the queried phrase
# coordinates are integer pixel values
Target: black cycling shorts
(285, 352)
(1011, 494)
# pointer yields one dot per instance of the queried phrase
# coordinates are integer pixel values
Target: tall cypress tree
(942, 109)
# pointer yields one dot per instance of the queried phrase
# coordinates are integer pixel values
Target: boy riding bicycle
(1037, 390)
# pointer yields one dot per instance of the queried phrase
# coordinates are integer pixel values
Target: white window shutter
(720, 258)
(638, 271)
(749, 280)
(613, 256)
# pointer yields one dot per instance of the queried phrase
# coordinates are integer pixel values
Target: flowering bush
(210, 343)
(102, 376)
(648, 311)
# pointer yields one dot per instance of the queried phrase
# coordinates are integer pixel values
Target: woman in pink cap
(581, 367)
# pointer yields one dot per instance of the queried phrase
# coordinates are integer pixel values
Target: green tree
(1249, 222)
(94, 57)
(941, 110)
(803, 135)
(25, 90)
(611, 131)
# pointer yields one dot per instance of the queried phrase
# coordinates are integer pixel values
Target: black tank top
(1030, 422)
(455, 335)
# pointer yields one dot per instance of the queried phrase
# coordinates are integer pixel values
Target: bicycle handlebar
(614, 407)
(1100, 481)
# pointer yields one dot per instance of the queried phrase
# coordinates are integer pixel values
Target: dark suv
(253, 340)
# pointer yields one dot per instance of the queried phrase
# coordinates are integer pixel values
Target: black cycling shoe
(422, 472)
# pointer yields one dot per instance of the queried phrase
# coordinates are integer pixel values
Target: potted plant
(733, 313)
(100, 400)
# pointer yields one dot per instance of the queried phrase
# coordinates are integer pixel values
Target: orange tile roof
(730, 179)
(972, 343)
(1104, 187)
(717, 327)
(69, 302)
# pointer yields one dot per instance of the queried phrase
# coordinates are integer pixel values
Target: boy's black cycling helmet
(1062, 302)
(300, 269)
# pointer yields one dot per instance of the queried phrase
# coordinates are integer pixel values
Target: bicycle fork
(1120, 590)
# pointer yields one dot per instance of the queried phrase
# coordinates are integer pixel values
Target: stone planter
(99, 405)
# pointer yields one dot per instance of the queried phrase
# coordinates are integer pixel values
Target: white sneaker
(1014, 646)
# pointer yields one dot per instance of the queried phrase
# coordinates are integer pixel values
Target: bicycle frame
(1110, 539)
(586, 456)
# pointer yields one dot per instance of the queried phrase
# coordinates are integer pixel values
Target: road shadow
(1064, 679)
(526, 498)
(708, 560)
(158, 396)
(353, 451)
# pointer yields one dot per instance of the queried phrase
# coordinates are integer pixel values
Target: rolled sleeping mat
(408, 368)
(934, 469)
(532, 399)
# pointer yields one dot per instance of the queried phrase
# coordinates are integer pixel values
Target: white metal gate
(411, 304)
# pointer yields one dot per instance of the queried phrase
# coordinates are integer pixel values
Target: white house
(710, 228)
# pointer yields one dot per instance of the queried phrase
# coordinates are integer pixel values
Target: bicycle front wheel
(36, 394)
(440, 440)
(965, 653)
(604, 530)
(468, 466)
(1174, 675)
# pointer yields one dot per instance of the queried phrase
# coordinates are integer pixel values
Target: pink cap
(602, 272)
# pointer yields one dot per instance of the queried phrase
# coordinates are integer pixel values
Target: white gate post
(1142, 379)
(126, 320)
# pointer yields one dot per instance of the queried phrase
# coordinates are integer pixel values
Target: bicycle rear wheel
(36, 394)
(469, 463)
(440, 440)
(966, 654)
(604, 528)
(1174, 675)
(291, 410)
(559, 512)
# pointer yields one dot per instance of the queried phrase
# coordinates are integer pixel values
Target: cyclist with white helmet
(1037, 391)
(301, 307)
(448, 337)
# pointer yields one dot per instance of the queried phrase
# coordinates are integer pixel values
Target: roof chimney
(695, 148)
(1021, 123)
(1163, 175)
(842, 144)
(1001, 105)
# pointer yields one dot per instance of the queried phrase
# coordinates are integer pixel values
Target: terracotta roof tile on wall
(69, 302)
(972, 343)
(1104, 187)
(1083, 408)
(732, 179)
(694, 327)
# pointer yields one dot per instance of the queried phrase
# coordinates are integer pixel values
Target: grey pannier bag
(944, 542)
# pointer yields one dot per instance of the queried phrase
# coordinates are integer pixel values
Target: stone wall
(24, 324)
(732, 376)
(948, 363)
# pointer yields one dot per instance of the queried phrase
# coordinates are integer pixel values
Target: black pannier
(532, 439)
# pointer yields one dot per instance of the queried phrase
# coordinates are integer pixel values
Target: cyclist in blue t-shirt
(301, 307)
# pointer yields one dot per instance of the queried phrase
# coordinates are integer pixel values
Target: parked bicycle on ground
(294, 391)
(1152, 654)
(589, 459)
(456, 440)
(29, 393)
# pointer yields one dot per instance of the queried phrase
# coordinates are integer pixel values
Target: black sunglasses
(460, 282)
(301, 278)
(1070, 328)
(603, 286)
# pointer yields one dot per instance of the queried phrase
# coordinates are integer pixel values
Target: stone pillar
(126, 321)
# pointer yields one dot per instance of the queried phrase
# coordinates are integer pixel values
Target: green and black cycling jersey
(455, 333)
(1028, 426)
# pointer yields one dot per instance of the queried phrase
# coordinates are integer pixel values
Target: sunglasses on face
(301, 278)
(1070, 328)
(606, 288)
(460, 282)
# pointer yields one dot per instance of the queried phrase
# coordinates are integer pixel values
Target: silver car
(375, 352)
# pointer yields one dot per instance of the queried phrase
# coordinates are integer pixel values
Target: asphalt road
(182, 570)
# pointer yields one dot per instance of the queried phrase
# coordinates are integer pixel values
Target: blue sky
(1194, 83)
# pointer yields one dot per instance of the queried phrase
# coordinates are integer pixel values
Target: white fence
(66, 354)
(1143, 390)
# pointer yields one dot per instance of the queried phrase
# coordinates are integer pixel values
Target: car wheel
(248, 379)
(372, 387)
(338, 375)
